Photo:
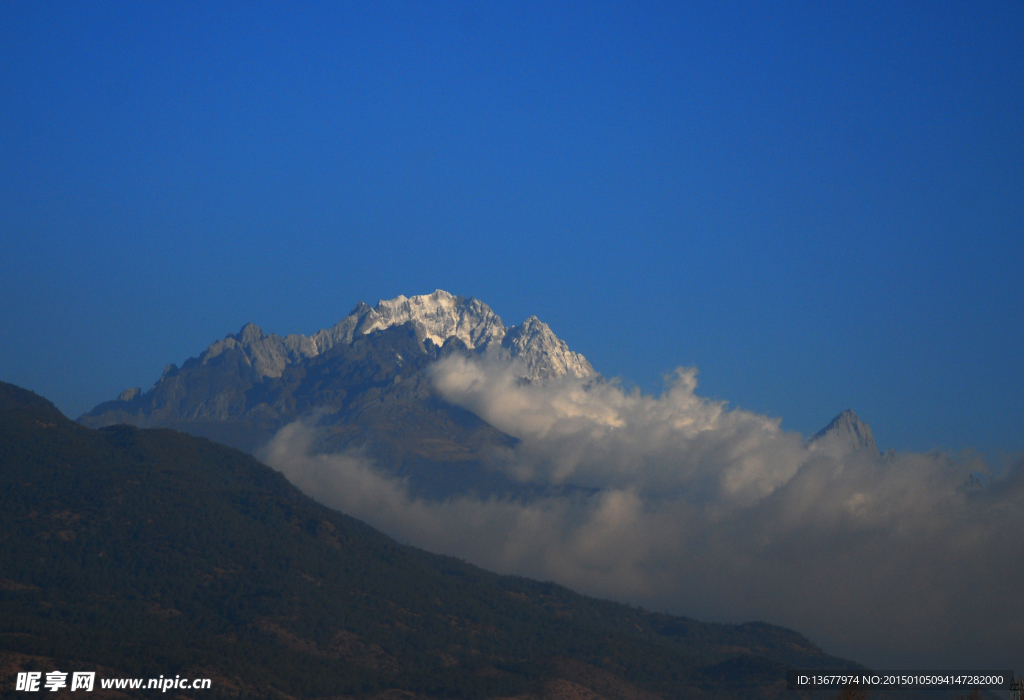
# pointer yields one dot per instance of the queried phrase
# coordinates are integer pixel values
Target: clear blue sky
(820, 205)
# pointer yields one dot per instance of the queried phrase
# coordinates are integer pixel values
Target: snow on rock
(544, 354)
(438, 316)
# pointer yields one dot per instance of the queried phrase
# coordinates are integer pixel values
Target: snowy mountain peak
(846, 431)
(439, 316)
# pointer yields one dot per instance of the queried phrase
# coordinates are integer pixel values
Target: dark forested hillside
(149, 552)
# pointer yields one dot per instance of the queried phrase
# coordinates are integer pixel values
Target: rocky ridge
(437, 317)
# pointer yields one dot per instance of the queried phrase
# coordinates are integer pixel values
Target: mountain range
(366, 382)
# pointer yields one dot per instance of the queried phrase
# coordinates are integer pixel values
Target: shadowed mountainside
(150, 552)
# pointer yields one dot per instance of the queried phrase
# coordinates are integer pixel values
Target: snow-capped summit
(443, 316)
(846, 432)
(440, 316)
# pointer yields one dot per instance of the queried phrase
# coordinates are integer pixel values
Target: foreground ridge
(150, 552)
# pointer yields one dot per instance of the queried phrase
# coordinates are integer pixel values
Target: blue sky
(819, 206)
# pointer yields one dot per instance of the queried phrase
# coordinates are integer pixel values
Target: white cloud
(715, 514)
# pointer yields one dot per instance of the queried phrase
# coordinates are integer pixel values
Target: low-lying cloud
(896, 561)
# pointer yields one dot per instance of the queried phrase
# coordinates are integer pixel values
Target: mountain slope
(151, 552)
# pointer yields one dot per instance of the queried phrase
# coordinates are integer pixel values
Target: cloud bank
(898, 561)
